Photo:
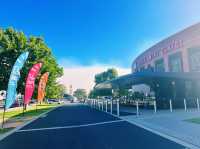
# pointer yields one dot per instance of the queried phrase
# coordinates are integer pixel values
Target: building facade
(170, 69)
(178, 53)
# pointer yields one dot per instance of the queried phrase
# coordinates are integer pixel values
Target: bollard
(155, 108)
(106, 105)
(111, 106)
(99, 105)
(117, 107)
(96, 104)
(185, 105)
(198, 104)
(137, 108)
(170, 105)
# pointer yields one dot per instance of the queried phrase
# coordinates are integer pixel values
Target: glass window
(150, 68)
(142, 69)
(159, 65)
(175, 62)
(194, 59)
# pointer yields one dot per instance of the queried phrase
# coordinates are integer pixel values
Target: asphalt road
(80, 127)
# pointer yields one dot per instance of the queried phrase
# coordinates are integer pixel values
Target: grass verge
(2, 131)
(194, 120)
(31, 111)
(16, 115)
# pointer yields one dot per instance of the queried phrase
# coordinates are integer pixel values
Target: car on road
(52, 101)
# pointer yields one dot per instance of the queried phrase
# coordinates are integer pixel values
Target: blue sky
(88, 36)
(99, 31)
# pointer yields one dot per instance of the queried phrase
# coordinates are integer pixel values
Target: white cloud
(80, 76)
(83, 76)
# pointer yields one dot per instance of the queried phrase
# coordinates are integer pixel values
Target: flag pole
(4, 111)
(36, 106)
(23, 109)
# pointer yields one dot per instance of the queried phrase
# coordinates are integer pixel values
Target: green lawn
(30, 112)
(5, 130)
(194, 120)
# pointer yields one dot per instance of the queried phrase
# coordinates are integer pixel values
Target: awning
(127, 81)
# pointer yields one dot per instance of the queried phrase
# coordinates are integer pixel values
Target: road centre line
(72, 126)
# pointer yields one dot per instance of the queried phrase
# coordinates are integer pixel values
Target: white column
(137, 108)
(155, 107)
(185, 105)
(117, 107)
(111, 106)
(106, 105)
(198, 104)
(170, 105)
(102, 105)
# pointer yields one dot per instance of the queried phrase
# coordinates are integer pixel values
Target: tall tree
(80, 93)
(12, 44)
(106, 75)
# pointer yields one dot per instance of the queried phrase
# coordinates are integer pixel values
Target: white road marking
(19, 127)
(43, 116)
(72, 126)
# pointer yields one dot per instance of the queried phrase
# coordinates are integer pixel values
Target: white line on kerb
(72, 126)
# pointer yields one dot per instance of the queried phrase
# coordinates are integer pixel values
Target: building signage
(152, 54)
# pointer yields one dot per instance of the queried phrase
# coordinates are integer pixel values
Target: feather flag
(30, 82)
(14, 77)
(42, 86)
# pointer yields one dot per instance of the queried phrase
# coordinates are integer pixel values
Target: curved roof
(184, 35)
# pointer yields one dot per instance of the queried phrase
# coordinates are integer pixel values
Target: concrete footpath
(169, 123)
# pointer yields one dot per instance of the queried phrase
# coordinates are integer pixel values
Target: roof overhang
(127, 81)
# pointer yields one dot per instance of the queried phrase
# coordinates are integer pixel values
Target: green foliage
(109, 74)
(12, 44)
(55, 91)
(93, 94)
(80, 93)
(122, 92)
(106, 75)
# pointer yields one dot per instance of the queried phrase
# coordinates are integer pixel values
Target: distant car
(61, 101)
(70, 98)
(52, 101)
(33, 101)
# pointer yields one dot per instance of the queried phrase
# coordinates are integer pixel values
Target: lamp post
(174, 93)
(157, 91)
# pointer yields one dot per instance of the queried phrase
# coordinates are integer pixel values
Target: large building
(171, 70)
(178, 53)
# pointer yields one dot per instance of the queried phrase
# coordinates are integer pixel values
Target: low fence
(108, 105)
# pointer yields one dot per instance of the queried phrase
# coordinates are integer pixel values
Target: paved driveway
(80, 127)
